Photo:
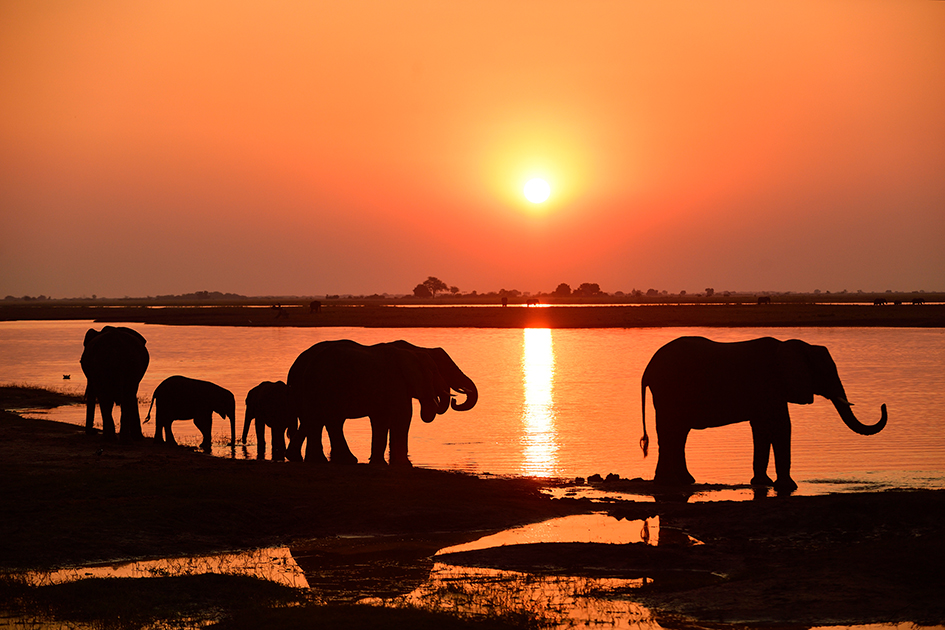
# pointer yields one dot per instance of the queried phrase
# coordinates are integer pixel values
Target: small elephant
(336, 380)
(698, 383)
(268, 404)
(114, 362)
(182, 398)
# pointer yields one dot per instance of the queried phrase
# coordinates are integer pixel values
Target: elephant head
(442, 374)
(807, 370)
(426, 384)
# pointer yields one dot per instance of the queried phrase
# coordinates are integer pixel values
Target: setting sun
(537, 190)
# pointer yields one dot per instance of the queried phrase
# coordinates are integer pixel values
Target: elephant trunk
(846, 414)
(246, 420)
(472, 396)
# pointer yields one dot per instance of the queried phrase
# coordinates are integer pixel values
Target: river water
(556, 403)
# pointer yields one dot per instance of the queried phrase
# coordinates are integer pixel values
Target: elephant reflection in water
(697, 383)
(182, 398)
(336, 380)
(268, 404)
(114, 361)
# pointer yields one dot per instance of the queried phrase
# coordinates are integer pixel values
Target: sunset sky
(277, 148)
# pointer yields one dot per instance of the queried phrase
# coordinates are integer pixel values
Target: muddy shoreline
(71, 499)
(381, 315)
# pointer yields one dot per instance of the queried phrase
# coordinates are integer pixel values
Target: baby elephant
(183, 398)
(268, 405)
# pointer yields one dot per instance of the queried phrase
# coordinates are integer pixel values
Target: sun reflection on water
(539, 434)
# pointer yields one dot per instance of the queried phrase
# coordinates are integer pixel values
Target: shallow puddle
(274, 564)
(580, 528)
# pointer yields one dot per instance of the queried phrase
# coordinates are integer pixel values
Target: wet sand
(71, 499)
(390, 315)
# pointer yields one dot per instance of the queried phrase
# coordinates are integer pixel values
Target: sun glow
(537, 190)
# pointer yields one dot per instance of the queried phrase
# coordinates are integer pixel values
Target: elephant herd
(327, 384)
(695, 383)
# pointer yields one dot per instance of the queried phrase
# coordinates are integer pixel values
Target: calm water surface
(560, 403)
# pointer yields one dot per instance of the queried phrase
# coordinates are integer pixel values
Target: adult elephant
(336, 380)
(698, 383)
(268, 404)
(182, 398)
(114, 361)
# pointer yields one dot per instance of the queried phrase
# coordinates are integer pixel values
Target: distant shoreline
(388, 315)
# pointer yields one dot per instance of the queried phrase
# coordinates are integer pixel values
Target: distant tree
(563, 290)
(652, 293)
(588, 289)
(421, 291)
(709, 292)
(454, 290)
(682, 293)
(435, 285)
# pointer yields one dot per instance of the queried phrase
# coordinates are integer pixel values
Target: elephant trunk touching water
(698, 383)
(336, 380)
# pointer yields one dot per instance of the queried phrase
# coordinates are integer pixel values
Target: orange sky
(359, 147)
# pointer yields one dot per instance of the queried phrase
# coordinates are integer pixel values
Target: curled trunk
(846, 414)
(472, 396)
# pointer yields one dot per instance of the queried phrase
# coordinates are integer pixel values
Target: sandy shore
(602, 316)
(72, 499)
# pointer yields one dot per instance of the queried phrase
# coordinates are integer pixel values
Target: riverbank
(389, 315)
(71, 499)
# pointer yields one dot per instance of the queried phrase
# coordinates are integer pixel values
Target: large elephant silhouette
(268, 404)
(336, 380)
(114, 362)
(182, 398)
(698, 383)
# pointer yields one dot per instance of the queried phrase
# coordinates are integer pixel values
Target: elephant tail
(147, 418)
(645, 440)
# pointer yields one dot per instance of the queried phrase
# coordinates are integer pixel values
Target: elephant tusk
(843, 400)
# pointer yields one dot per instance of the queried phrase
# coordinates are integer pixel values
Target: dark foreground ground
(70, 499)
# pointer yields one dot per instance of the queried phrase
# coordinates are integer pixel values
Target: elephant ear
(90, 334)
(793, 362)
(425, 383)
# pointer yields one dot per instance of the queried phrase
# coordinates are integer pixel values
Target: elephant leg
(261, 438)
(204, 422)
(278, 443)
(340, 453)
(781, 441)
(671, 466)
(165, 426)
(130, 418)
(309, 429)
(89, 410)
(399, 430)
(379, 432)
(761, 439)
(314, 451)
(108, 421)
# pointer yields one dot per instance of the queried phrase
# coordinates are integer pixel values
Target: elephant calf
(268, 405)
(182, 398)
